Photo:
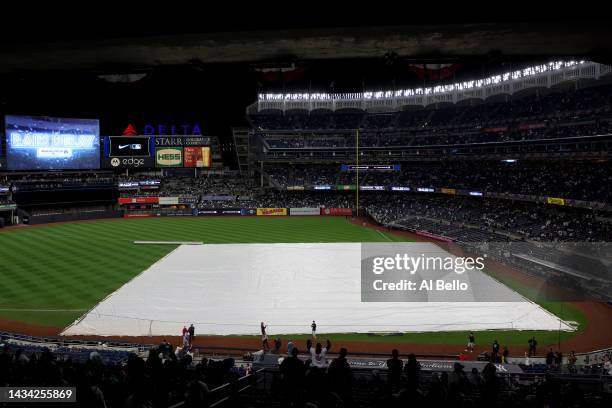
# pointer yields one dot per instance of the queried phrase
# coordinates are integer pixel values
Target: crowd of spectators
(557, 114)
(159, 380)
(305, 378)
(442, 215)
(579, 180)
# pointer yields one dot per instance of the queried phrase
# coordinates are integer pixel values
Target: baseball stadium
(280, 218)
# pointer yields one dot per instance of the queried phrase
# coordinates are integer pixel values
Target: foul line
(43, 310)
(383, 234)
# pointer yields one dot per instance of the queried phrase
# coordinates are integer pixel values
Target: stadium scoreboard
(47, 143)
(50, 143)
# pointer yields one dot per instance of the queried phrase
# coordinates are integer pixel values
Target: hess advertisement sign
(169, 157)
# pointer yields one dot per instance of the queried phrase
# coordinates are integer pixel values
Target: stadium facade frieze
(544, 75)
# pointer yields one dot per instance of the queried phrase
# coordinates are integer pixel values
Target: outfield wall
(81, 216)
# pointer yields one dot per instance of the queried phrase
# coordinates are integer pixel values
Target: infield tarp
(230, 288)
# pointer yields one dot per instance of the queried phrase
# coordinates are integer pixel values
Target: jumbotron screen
(46, 143)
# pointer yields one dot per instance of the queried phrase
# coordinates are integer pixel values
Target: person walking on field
(314, 330)
(471, 343)
(532, 346)
(264, 338)
(191, 332)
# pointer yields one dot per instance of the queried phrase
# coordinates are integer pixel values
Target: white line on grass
(43, 310)
(383, 234)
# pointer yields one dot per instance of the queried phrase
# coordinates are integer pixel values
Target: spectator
(475, 379)
(505, 354)
(292, 370)
(290, 347)
(318, 353)
(571, 362)
(395, 366)
(341, 376)
(550, 359)
(495, 351)
(532, 346)
(197, 395)
(412, 370)
(277, 345)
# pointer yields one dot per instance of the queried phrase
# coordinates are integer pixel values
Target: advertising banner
(346, 187)
(295, 188)
(128, 185)
(271, 211)
(168, 200)
(555, 200)
(138, 200)
(336, 211)
(169, 157)
(175, 212)
(196, 156)
(305, 211)
(8, 206)
(128, 152)
(188, 200)
(218, 211)
(448, 191)
(137, 215)
(524, 126)
(370, 167)
(168, 141)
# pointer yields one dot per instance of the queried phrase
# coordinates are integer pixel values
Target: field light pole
(357, 170)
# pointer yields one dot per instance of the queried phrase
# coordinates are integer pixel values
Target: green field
(51, 275)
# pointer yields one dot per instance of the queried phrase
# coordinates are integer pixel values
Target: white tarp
(230, 289)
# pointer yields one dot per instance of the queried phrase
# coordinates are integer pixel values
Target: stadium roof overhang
(589, 40)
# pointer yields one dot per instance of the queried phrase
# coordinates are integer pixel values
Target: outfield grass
(71, 267)
(52, 274)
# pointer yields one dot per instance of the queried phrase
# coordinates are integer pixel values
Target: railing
(225, 393)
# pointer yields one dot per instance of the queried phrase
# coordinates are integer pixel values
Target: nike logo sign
(123, 146)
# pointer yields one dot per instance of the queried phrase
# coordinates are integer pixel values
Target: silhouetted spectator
(395, 366)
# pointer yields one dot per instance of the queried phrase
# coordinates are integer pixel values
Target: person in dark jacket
(341, 376)
(293, 371)
(395, 366)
